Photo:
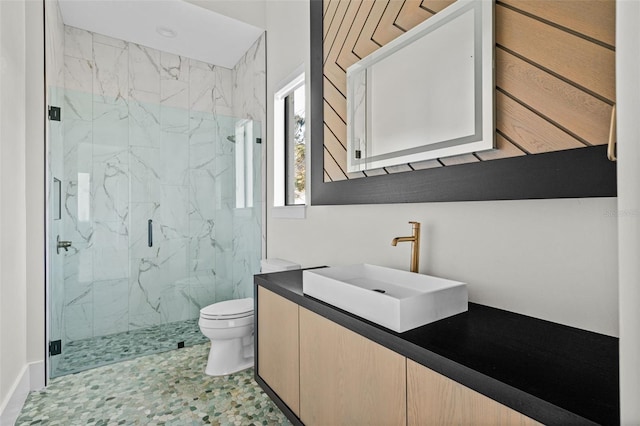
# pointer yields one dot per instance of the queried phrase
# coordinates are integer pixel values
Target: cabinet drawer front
(346, 379)
(433, 399)
(278, 362)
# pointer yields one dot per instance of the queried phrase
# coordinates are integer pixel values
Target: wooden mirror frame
(574, 173)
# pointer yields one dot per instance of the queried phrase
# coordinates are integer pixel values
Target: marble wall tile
(144, 174)
(249, 94)
(110, 306)
(77, 106)
(202, 156)
(174, 93)
(175, 302)
(174, 158)
(202, 254)
(202, 195)
(76, 210)
(144, 68)
(210, 90)
(173, 67)
(174, 212)
(110, 76)
(110, 187)
(78, 274)
(78, 74)
(78, 322)
(109, 41)
(78, 147)
(78, 43)
(110, 251)
(203, 284)
(111, 124)
(174, 120)
(153, 280)
(144, 119)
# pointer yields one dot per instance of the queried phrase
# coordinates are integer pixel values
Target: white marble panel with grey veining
(174, 67)
(144, 163)
(78, 43)
(110, 76)
(144, 118)
(174, 158)
(203, 244)
(110, 250)
(144, 68)
(110, 306)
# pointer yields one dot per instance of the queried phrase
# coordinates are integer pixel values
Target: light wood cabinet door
(346, 379)
(433, 399)
(278, 362)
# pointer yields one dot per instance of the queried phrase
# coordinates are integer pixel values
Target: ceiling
(199, 33)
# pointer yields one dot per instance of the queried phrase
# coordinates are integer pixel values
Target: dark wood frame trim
(575, 173)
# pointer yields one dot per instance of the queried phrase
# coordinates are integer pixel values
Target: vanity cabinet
(433, 399)
(324, 366)
(278, 360)
(346, 379)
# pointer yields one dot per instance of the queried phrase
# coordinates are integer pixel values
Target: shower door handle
(60, 244)
(150, 233)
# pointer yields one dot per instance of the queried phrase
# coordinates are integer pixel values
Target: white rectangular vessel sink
(398, 300)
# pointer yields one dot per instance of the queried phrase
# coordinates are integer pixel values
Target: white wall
(22, 205)
(628, 84)
(552, 259)
(13, 297)
(35, 183)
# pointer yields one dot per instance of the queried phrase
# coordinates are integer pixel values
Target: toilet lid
(229, 309)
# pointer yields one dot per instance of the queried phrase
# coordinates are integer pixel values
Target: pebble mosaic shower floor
(84, 354)
(163, 389)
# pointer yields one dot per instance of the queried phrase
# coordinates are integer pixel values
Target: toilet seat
(228, 310)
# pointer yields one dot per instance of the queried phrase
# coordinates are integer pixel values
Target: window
(290, 149)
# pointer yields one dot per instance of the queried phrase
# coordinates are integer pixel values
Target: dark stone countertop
(552, 373)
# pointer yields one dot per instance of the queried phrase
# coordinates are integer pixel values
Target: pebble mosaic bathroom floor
(84, 354)
(162, 389)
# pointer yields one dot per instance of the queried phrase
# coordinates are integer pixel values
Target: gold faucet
(415, 245)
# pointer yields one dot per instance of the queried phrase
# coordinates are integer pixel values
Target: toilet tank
(277, 265)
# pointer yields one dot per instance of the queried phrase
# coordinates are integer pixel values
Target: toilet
(229, 326)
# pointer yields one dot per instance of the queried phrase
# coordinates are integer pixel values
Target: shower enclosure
(154, 194)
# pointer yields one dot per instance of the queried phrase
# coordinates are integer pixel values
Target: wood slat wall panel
(595, 19)
(412, 14)
(336, 125)
(459, 159)
(333, 97)
(331, 168)
(436, 5)
(365, 44)
(504, 149)
(577, 111)
(333, 71)
(574, 58)
(331, 32)
(387, 30)
(531, 132)
(347, 57)
(428, 164)
(555, 72)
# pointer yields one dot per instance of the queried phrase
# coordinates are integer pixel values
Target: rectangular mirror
(427, 94)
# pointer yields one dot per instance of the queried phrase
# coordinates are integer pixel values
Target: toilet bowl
(229, 326)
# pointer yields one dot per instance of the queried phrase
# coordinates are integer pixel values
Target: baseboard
(30, 378)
